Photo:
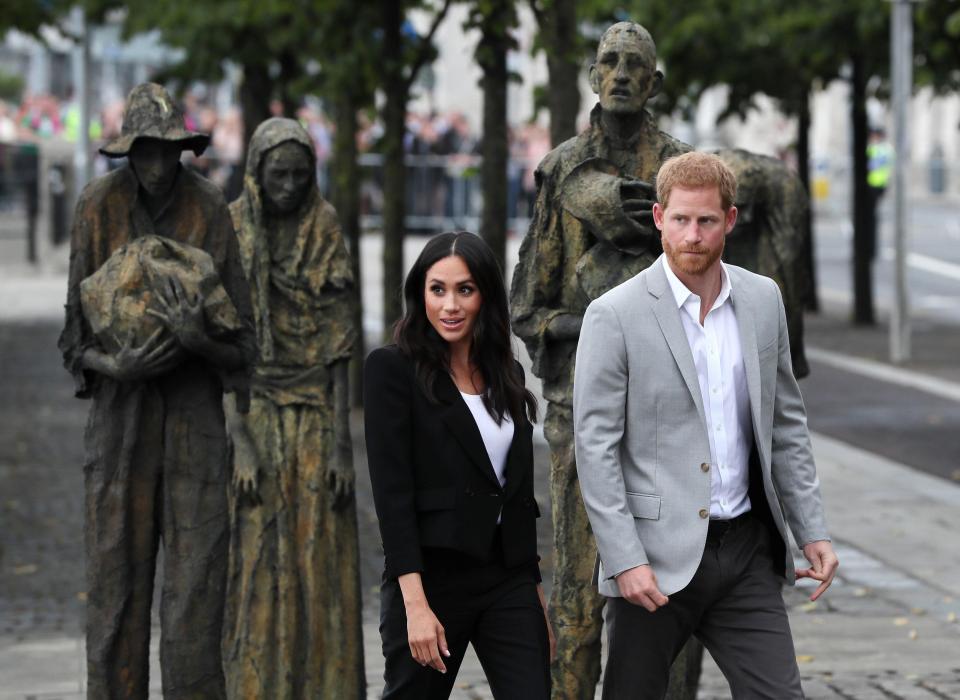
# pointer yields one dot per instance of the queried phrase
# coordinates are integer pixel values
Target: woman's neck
(465, 374)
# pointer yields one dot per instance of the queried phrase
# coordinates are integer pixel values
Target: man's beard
(695, 265)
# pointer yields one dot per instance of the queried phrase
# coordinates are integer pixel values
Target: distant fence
(443, 192)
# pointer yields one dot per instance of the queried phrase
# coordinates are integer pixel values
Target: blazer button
(705, 467)
(704, 513)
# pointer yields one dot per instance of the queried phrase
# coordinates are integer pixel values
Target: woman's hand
(546, 616)
(425, 635)
(426, 638)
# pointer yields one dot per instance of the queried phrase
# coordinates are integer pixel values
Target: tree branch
(426, 41)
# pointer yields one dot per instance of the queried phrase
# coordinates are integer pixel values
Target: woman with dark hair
(448, 431)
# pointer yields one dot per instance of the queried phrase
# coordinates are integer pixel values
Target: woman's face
(286, 176)
(452, 299)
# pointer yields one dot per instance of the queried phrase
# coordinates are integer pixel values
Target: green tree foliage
(936, 44)
(782, 49)
(29, 17)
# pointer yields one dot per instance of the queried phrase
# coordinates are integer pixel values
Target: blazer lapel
(668, 316)
(748, 348)
(464, 428)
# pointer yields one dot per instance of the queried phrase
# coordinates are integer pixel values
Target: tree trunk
(394, 180)
(345, 196)
(562, 43)
(255, 91)
(492, 56)
(289, 73)
(808, 260)
(864, 216)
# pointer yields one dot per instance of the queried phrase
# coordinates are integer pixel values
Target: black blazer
(433, 483)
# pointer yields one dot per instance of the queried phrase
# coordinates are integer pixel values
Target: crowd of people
(443, 150)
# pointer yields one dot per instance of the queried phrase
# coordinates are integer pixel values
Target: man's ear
(656, 84)
(731, 218)
(658, 216)
(594, 79)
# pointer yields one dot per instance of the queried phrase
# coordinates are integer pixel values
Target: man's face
(693, 227)
(155, 162)
(625, 75)
(286, 174)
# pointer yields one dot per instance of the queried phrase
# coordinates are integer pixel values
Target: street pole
(81, 61)
(901, 71)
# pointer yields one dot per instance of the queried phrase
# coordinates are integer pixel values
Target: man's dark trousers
(733, 605)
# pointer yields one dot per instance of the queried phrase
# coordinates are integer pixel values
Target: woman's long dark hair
(490, 350)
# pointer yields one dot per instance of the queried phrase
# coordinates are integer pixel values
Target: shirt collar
(680, 292)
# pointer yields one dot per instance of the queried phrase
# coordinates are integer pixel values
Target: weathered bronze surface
(156, 464)
(592, 229)
(293, 615)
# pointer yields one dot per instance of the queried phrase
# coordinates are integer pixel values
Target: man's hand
(823, 567)
(130, 363)
(182, 315)
(246, 469)
(637, 198)
(639, 586)
(339, 479)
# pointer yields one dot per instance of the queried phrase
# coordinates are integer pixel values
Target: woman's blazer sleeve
(388, 426)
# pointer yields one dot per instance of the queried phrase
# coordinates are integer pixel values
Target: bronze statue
(293, 612)
(156, 448)
(592, 229)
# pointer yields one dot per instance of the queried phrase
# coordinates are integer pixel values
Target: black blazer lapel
(464, 428)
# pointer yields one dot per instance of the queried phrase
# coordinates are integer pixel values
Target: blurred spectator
(40, 114)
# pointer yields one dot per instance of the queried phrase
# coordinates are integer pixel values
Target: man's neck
(706, 285)
(621, 127)
(155, 204)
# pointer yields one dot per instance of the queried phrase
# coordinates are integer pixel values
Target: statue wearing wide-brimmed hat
(162, 328)
(150, 113)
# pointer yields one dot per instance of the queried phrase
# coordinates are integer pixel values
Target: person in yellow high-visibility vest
(879, 167)
(879, 161)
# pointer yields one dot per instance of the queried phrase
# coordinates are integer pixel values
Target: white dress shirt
(718, 357)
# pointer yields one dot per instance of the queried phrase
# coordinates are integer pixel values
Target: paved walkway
(887, 629)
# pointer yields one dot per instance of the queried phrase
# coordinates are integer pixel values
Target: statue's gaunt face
(625, 73)
(286, 175)
(155, 164)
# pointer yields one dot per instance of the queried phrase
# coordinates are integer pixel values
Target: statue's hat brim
(188, 140)
(149, 113)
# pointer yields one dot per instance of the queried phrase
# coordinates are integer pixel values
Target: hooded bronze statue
(592, 228)
(156, 447)
(293, 627)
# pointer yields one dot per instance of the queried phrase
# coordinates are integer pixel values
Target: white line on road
(928, 264)
(877, 370)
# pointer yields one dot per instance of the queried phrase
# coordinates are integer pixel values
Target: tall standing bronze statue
(158, 322)
(592, 229)
(293, 613)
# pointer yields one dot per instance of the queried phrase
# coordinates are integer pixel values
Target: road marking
(928, 264)
(894, 375)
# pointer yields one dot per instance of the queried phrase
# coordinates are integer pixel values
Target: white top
(718, 357)
(496, 438)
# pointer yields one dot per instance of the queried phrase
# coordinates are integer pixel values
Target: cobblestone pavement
(887, 629)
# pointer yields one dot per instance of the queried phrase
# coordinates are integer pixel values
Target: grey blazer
(643, 455)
